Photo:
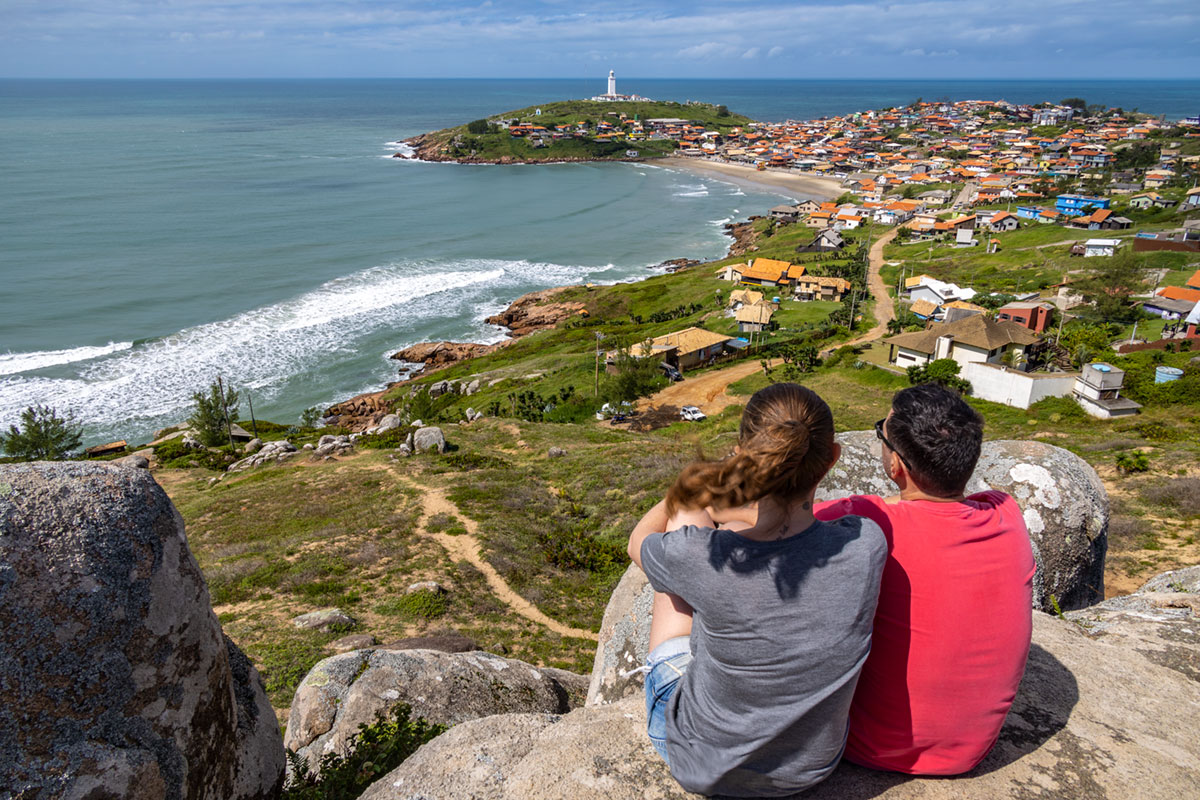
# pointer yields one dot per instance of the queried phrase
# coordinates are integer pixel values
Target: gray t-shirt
(780, 633)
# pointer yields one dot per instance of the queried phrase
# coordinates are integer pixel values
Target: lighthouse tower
(612, 83)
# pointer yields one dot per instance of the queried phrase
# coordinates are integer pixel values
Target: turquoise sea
(156, 234)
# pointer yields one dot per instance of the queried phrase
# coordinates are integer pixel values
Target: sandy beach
(791, 184)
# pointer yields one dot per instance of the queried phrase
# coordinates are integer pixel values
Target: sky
(936, 39)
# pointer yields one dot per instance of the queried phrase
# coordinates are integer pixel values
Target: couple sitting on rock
(788, 634)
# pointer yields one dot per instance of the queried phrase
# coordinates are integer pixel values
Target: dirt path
(466, 548)
(885, 310)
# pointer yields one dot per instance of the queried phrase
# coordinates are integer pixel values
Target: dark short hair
(939, 435)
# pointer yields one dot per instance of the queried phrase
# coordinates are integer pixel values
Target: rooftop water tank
(1167, 374)
(1101, 367)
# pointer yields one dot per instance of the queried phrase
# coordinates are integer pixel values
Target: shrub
(943, 371)
(1179, 493)
(43, 435)
(1132, 462)
(372, 752)
(575, 547)
(388, 440)
(1064, 408)
(425, 604)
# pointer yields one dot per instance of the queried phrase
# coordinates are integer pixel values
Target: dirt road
(885, 310)
(705, 391)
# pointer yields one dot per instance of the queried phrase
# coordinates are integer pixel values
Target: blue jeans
(666, 664)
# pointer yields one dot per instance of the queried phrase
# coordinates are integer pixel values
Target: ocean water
(156, 234)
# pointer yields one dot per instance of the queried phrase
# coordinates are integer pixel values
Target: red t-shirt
(951, 633)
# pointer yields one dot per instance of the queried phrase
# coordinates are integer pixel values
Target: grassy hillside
(357, 532)
(493, 143)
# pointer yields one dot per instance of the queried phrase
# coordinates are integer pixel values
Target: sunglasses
(892, 447)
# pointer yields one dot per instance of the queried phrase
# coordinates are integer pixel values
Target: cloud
(704, 51)
(532, 37)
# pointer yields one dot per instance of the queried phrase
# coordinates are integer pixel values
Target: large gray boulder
(352, 689)
(1161, 621)
(115, 677)
(1064, 502)
(1065, 507)
(1090, 720)
(429, 438)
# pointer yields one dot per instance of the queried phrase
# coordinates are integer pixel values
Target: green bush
(425, 604)
(388, 440)
(1064, 408)
(42, 436)
(1132, 462)
(372, 752)
(575, 547)
(943, 371)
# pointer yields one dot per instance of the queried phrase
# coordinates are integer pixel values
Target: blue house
(1028, 212)
(1076, 203)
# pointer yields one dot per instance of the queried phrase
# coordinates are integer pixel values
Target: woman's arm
(656, 521)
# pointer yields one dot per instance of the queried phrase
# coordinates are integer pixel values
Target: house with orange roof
(766, 272)
(1180, 293)
(1194, 281)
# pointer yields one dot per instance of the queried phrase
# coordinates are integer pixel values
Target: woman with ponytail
(762, 614)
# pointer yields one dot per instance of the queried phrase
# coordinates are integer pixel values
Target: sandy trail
(885, 311)
(466, 548)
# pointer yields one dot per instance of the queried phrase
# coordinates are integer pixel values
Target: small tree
(943, 371)
(635, 377)
(43, 435)
(214, 413)
(310, 416)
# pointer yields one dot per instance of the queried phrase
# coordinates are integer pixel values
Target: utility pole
(225, 409)
(596, 389)
(253, 421)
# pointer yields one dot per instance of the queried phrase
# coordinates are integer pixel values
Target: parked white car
(692, 414)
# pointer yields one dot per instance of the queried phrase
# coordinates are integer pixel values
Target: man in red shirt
(954, 620)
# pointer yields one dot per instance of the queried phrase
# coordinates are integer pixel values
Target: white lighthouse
(612, 83)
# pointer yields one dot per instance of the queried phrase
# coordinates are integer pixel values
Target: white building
(611, 95)
(938, 292)
(1001, 384)
(966, 340)
(1098, 392)
(1100, 247)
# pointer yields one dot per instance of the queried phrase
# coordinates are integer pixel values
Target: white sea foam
(123, 388)
(15, 363)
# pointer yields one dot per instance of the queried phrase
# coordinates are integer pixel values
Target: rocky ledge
(1091, 719)
(533, 312)
(436, 355)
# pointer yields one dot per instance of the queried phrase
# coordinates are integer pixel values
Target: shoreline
(797, 186)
